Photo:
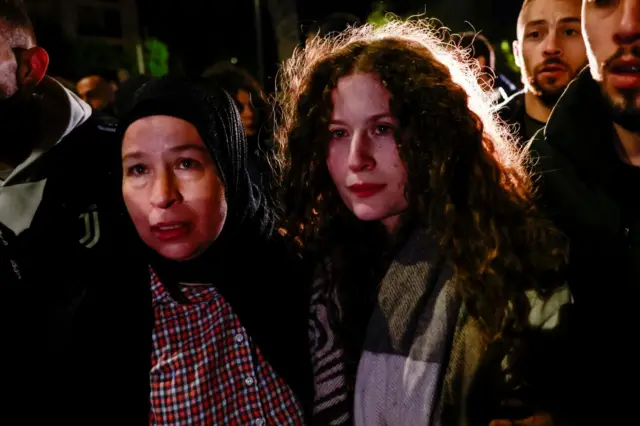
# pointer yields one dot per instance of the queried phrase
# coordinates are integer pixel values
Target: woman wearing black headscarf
(206, 325)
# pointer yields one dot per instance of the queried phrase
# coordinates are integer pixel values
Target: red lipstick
(366, 190)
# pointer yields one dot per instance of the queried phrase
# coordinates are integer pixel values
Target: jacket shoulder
(94, 136)
(92, 148)
(510, 106)
(83, 178)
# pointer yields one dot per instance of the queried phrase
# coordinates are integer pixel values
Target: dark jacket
(45, 269)
(513, 112)
(578, 169)
(512, 109)
(111, 358)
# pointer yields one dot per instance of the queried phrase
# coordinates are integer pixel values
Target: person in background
(55, 220)
(550, 53)
(247, 92)
(439, 284)
(255, 114)
(205, 319)
(123, 75)
(98, 89)
(588, 161)
(483, 52)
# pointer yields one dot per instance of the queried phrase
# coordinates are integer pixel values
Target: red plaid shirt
(205, 369)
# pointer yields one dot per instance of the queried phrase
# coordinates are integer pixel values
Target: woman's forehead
(161, 133)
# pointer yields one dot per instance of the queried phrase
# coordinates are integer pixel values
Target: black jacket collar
(512, 110)
(580, 129)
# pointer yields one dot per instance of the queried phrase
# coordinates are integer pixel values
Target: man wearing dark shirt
(550, 52)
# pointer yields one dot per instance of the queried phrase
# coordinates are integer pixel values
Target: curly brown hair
(467, 183)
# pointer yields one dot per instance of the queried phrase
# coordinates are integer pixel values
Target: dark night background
(201, 32)
(197, 32)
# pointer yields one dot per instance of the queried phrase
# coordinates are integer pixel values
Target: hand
(539, 419)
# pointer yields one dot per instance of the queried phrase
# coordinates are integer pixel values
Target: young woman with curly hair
(439, 280)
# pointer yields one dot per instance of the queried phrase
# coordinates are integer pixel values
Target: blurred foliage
(156, 57)
(378, 15)
(510, 59)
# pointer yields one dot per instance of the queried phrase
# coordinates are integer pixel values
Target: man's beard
(625, 104)
(18, 126)
(548, 93)
(627, 112)
(548, 96)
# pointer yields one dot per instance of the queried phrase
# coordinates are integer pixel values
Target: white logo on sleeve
(91, 225)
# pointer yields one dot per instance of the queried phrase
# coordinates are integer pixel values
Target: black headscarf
(213, 113)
